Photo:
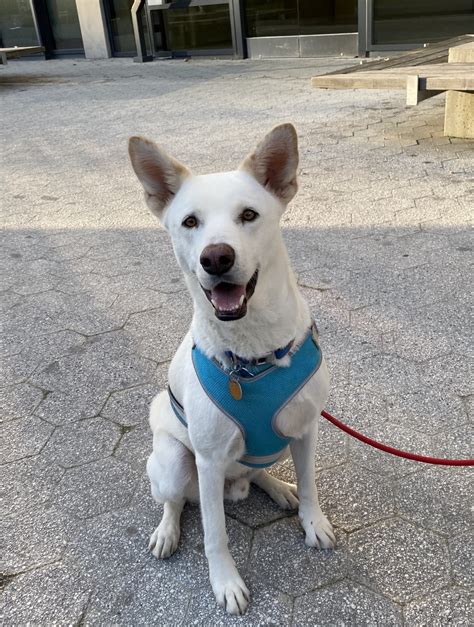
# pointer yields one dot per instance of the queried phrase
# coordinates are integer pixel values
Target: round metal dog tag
(235, 389)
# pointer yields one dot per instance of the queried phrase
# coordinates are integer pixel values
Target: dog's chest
(296, 418)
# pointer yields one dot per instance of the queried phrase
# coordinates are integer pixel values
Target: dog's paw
(319, 531)
(232, 595)
(284, 494)
(164, 540)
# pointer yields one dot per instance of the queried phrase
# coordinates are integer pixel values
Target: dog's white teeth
(241, 300)
(214, 303)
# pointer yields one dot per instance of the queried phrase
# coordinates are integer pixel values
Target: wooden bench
(16, 51)
(423, 74)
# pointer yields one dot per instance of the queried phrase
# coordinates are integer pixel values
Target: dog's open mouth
(230, 300)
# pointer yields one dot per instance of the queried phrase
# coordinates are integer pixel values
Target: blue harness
(265, 389)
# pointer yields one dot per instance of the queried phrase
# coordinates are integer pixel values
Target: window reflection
(419, 21)
(17, 27)
(198, 28)
(265, 18)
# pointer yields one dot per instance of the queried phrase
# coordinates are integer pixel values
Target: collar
(279, 353)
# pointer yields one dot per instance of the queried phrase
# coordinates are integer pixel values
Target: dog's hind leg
(284, 494)
(173, 479)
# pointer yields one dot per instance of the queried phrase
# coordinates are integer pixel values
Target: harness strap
(177, 408)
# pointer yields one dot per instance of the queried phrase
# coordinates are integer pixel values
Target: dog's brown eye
(248, 215)
(190, 222)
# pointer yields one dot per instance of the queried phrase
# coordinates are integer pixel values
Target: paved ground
(95, 307)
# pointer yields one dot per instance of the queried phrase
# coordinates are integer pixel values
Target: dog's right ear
(160, 174)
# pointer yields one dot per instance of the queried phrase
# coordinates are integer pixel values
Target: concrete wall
(93, 29)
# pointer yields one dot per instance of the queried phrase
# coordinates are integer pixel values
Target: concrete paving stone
(143, 598)
(344, 344)
(18, 401)
(398, 560)
(267, 607)
(468, 402)
(9, 300)
(116, 543)
(130, 407)
(455, 443)
(428, 410)
(439, 499)
(256, 510)
(28, 484)
(16, 369)
(440, 280)
(66, 407)
(375, 323)
(46, 596)
(111, 545)
(357, 409)
(453, 372)
(331, 449)
(135, 446)
(284, 470)
(449, 607)
(82, 442)
(107, 363)
(158, 332)
(33, 538)
(23, 437)
(31, 284)
(353, 497)
(97, 487)
(418, 342)
(45, 348)
(384, 375)
(299, 568)
(328, 313)
(346, 603)
(309, 248)
(142, 498)
(398, 436)
(39, 314)
(461, 550)
(321, 277)
(53, 311)
(139, 300)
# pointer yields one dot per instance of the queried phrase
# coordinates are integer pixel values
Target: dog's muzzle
(229, 299)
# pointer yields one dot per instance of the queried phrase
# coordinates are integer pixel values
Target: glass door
(193, 27)
(65, 28)
(121, 29)
(17, 26)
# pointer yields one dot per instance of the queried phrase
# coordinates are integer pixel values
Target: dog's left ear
(274, 162)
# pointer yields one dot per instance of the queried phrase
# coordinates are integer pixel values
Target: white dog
(250, 325)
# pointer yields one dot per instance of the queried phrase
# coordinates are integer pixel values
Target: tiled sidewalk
(94, 307)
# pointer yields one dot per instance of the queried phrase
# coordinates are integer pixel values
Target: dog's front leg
(317, 527)
(229, 589)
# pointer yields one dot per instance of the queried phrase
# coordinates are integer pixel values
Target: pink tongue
(226, 297)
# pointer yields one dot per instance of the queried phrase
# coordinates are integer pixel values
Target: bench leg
(3, 57)
(415, 91)
(459, 114)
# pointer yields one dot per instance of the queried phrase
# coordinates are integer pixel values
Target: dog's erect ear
(274, 162)
(160, 174)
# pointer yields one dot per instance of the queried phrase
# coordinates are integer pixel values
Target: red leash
(395, 451)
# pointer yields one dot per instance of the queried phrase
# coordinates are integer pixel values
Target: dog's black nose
(217, 258)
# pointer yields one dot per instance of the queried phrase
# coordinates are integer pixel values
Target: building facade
(241, 28)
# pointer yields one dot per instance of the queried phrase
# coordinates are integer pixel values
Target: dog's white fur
(199, 463)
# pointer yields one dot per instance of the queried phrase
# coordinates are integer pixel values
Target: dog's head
(223, 226)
